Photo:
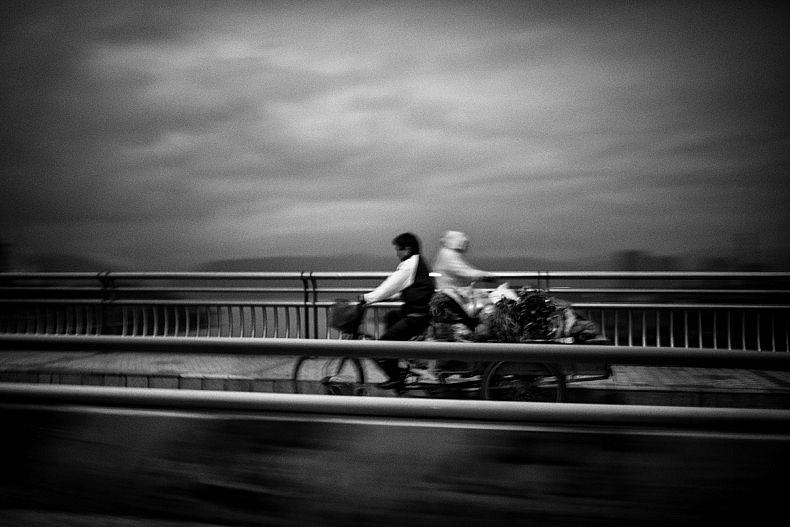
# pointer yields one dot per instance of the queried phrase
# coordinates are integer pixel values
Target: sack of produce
(536, 316)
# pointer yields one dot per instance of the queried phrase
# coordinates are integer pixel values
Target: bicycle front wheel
(328, 376)
(519, 381)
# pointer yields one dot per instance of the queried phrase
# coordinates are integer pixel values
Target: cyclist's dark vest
(417, 297)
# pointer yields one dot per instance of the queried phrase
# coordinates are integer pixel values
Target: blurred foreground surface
(79, 465)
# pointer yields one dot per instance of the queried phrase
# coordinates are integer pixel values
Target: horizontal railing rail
(742, 310)
(731, 419)
(527, 352)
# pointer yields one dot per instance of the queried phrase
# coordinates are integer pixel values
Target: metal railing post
(314, 285)
(106, 299)
(305, 304)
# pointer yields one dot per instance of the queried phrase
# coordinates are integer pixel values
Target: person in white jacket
(454, 274)
(413, 284)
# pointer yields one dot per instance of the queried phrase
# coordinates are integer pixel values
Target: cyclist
(411, 281)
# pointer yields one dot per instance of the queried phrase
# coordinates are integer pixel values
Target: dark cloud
(137, 129)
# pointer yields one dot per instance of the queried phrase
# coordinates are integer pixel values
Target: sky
(162, 135)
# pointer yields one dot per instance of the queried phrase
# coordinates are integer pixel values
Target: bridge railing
(743, 310)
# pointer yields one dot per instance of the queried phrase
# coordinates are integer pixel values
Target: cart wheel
(522, 381)
(328, 376)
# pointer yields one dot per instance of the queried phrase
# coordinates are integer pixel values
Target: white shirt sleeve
(457, 266)
(400, 279)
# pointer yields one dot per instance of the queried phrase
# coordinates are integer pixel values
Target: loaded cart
(499, 315)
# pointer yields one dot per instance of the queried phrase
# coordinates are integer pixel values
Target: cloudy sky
(160, 135)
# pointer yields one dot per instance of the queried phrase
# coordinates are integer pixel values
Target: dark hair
(407, 240)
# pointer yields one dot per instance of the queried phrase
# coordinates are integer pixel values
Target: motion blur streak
(116, 463)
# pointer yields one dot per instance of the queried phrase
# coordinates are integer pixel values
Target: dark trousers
(400, 327)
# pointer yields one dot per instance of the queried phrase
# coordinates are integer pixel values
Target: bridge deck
(671, 386)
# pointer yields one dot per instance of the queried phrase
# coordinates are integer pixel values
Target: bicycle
(334, 375)
(498, 380)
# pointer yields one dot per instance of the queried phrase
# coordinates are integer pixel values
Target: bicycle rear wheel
(328, 376)
(520, 381)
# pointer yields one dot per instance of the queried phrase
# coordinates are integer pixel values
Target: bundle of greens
(534, 316)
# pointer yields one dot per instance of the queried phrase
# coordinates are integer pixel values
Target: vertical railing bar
(699, 329)
(231, 319)
(743, 329)
(671, 329)
(715, 330)
(787, 334)
(658, 328)
(287, 322)
(630, 329)
(306, 303)
(145, 320)
(300, 323)
(314, 286)
(217, 311)
(254, 321)
(644, 328)
(759, 332)
(155, 316)
(212, 312)
(250, 310)
(616, 328)
(685, 328)
(166, 320)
